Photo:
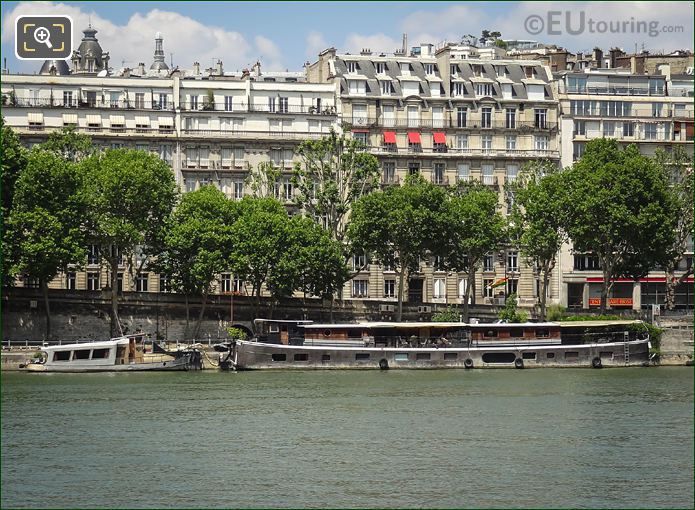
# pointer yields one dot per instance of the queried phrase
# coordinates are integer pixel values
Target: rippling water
(450, 438)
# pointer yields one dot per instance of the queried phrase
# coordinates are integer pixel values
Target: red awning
(439, 137)
(360, 130)
(414, 137)
(389, 137)
(648, 279)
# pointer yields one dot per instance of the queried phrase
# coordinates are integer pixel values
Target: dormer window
(478, 70)
(501, 71)
(429, 69)
(453, 70)
(530, 72)
(405, 68)
(351, 67)
(380, 67)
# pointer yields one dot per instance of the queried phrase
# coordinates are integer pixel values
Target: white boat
(122, 354)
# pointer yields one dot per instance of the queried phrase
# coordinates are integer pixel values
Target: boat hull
(261, 356)
(182, 363)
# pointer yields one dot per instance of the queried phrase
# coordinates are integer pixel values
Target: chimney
(405, 43)
(366, 51)
(196, 68)
(219, 68)
(598, 57)
(141, 68)
(633, 64)
(256, 69)
(126, 72)
(245, 74)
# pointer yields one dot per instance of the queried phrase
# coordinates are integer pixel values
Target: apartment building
(211, 126)
(452, 113)
(653, 111)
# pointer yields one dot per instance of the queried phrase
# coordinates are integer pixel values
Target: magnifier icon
(43, 36)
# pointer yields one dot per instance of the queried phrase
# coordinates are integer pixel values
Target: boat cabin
(286, 332)
(519, 333)
(386, 334)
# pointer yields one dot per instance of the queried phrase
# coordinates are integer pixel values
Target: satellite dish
(102, 73)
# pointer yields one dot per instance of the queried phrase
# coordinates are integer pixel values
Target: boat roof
(88, 345)
(488, 325)
(594, 324)
(387, 325)
(284, 320)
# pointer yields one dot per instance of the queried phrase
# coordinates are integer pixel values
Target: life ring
(596, 363)
(519, 363)
(468, 363)
(383, 364)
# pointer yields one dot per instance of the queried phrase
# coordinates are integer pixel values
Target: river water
(449, 438)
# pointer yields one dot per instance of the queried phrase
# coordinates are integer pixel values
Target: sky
(284, 35)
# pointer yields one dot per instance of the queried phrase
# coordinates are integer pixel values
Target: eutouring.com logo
(577, 23)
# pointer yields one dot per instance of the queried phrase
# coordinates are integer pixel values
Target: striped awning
(93, 119)
(166, 121)
(142, 120)
(117, 120)
(69, 118)
(35, 118)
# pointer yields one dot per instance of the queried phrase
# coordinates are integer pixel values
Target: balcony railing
(471, 123)
(665, 113)
(255, 108)
(120, 131)
(81, 103)
(229, 133)
(451, 152)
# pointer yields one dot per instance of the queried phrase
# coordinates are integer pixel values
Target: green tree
(618, 208)
(678, 168)
(509, 313)
(475, 227)
(399, 226)
(196, 246)
(69, 144)
(14, 160)
(264, 179)
(47, 220)
(537, 219)
(333, 172)
(130, 193)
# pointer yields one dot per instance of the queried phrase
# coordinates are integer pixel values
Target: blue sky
(286, 34)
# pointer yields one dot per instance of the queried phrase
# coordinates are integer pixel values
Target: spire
(159, 64)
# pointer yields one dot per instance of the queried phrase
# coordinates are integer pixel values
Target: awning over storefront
(414, 137)
(439, 137)
(389, 137)
(649, 279)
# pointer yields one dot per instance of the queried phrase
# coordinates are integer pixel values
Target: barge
(429, 345)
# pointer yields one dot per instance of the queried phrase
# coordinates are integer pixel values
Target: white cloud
(315, 43)
(188, 39)
(354, 43)
(448, 24)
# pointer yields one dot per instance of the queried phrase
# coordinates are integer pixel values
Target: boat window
(273, 328)
(490, 333)
(572, 355)
(516, 332)
(528, 355)
(81, 354)
(499, 357)
(451, 355)
(61, 356)
(326, 332)
(422, 356)
(400, 356)
(302, 356)
(542, 333)
(550, 355)
(354, 333)
(606, 354)
(100, 353)
(362, 355)
(325, 357)
(280, 357)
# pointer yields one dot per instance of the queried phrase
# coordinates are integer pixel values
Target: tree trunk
(188, 315)
(470, 280)
(400, 294)
(670, 298)
(544, 292)
(44, 287)
(200, 317)
(605, 289)
(115, 326)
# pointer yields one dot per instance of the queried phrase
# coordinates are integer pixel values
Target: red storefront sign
(625, 301)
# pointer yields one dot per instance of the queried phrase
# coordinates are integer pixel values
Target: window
(578, 150)
(405, 68)
(271, 104)
(463, 285)
(359, 261)
(237, 285)
(656, 86)
(71, 281)
(608, 129)
(360, 136)
(453, 70)
(628, 129)
(463, 172)
(386, 88)
(462, 142)
(486, 117)
(279, 357)
(140, 100)
(429, 69)
(483, 89)
(459, 89)
(439, 288)
(389, 172)
(576, 84)
(423, 356)
(413, 116)
(388, 115)
(487, 170)
(93, 257)
(142, 147)
(461, 116)
(61, 356)
(380, 67)
(438, 173)
(93, 281)
(162, 101)
(400, 356)
(540, 118)
(283, 103)
(510, 118)
(512, 286)
(165, 153)
(389, 288)
(650, 131)
(437, 116)
(301, 356)
(657, 109)
(226, 283)
(488, 263)
(512, 172)
(67, 98)
(359, 288)
(190, 184)
(413, 168)
(81, 354)
(100, 353)
(351, 67)
(486, 142)
(141, 282)
(361, 356)
(512, 261)
(164, 285)
(239, 154)
(510, 142)
(228, 107)
(580, 127)
(540, 143)
(358, 87)
(238, 189)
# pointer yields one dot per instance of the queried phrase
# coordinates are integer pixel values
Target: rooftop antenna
(171, 59)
